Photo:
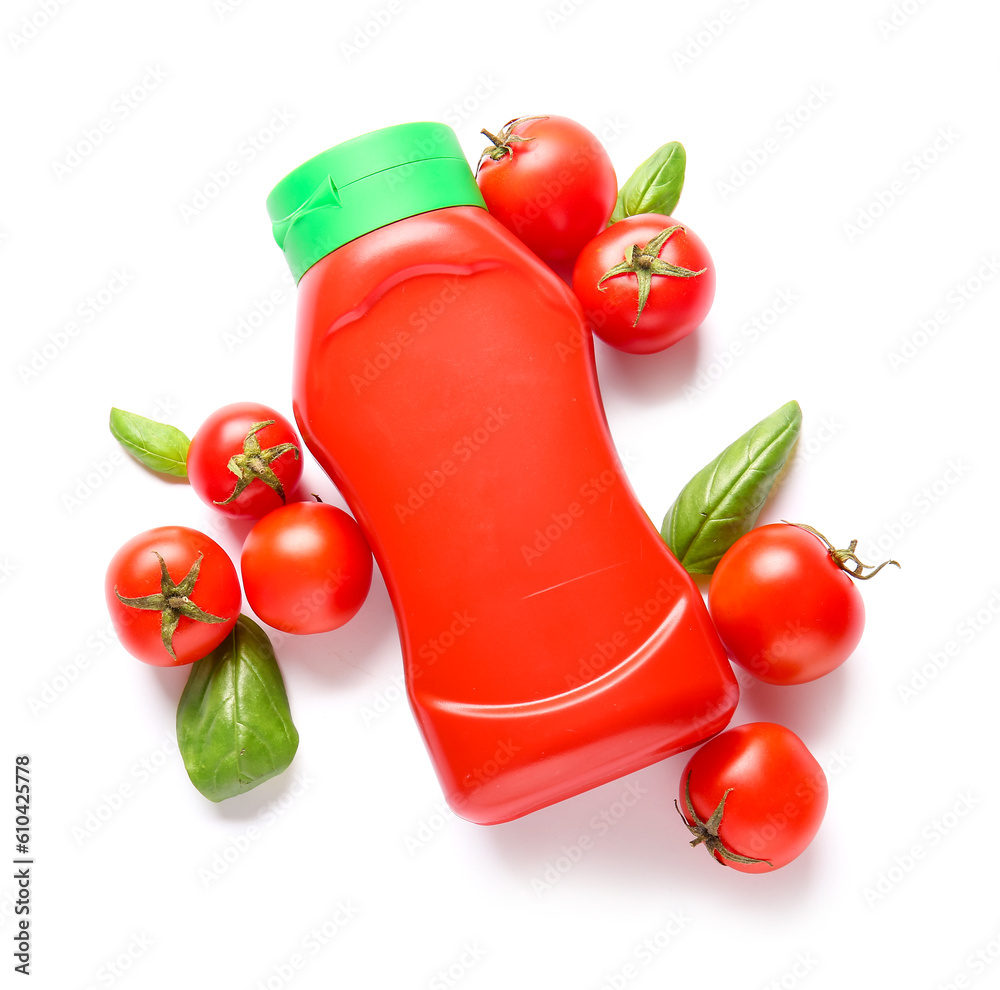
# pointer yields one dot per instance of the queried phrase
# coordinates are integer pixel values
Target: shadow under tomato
(595, 843)
(231, 532)
(811, 710)
(356, 652)
(170, 681)
(647, 378)
(321, 656)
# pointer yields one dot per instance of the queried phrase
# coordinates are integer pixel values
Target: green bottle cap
(366, 183)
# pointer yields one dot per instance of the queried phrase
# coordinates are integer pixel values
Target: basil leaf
(234, 728)
(160, 447)
(722, 501)
(655, 186)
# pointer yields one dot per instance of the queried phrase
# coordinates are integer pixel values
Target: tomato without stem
(754, 796)
(550, 182)
(784, 605)
(306, 568)
(173, 595)
(244, 460)
(645, 283)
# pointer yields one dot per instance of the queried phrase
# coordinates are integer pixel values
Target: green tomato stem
(708, 832)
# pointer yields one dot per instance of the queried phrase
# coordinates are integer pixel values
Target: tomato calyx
(847, 560)
(708, 832)
(644, 263)
(172, 601)
(255, 463)
(502, 142)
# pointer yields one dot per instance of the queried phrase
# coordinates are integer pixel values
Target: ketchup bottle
(445, 380)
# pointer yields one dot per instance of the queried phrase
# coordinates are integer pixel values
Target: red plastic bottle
(445, 380)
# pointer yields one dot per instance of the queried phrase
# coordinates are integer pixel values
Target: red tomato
(550, 182)
(645, 282)
(173, 595)
(306, 568)
(244, 460)
(758, 797)
(783, 606)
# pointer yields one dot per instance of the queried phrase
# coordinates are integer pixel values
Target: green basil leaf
(655, 186)
(160, 447)
(722, 501)
(234, 728)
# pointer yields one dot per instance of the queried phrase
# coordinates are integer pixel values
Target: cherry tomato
(306, 568)
(173, 595)
(244, 460)
(550, 182)
(784, 607)
(645, 283)
(754, 796)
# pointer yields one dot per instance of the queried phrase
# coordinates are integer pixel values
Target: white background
(141, 882)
